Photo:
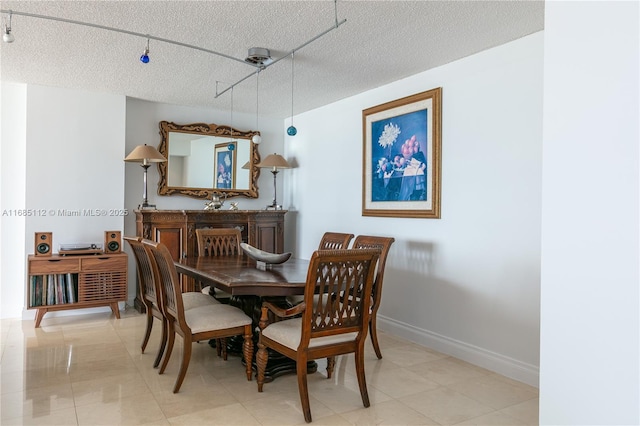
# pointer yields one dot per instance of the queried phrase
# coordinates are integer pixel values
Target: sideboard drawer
(102, 264)
(54, 266)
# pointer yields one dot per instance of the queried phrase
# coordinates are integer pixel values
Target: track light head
(7, 37)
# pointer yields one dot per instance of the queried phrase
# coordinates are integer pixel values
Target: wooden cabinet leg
(115, 309)
(39, 314)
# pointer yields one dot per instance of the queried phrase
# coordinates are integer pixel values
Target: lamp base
(273, 206)
(146, 206)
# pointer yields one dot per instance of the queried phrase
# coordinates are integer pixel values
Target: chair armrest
(279, 312)
(284, 313)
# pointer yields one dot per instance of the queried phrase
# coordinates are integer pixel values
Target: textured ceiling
(381, 42)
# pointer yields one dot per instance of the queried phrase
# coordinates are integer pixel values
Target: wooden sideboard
(176, 229)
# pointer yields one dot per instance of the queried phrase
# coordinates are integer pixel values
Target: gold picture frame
(403, 179)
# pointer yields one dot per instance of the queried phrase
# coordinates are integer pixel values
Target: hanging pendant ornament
(231, 145)
(292, 131)
(145, 55)
(256, 139)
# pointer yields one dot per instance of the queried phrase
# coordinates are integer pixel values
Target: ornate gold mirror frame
(195, 152)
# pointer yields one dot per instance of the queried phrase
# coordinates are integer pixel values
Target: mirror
(206, 159)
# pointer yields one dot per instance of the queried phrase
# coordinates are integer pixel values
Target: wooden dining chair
(324, 326)
(335, 241)
(149, 293)
(201, 323)
(383, 244)
(219, 242)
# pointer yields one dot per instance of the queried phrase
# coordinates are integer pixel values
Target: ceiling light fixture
(259, 56)
(291, 130)
(267, 64)
(145, 55)
(7, 37)
(256, 139)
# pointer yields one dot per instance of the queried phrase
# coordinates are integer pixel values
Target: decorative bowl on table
(264, 257)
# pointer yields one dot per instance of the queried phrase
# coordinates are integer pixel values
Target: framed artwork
(401, 157)
(224, 165)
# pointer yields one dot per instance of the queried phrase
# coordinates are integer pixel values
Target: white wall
(590, 301)
(75, 146)
(13, 154)
(468, 283)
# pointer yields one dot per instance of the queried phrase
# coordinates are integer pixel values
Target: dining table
(243, 276)
(250, 283)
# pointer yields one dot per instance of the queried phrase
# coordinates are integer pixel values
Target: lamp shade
(276, 161)
(145, 154)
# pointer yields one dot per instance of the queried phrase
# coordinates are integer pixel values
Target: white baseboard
(504, 365)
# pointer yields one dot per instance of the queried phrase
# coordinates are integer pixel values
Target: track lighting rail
(291, 52)
(145, 57)
(118, 30)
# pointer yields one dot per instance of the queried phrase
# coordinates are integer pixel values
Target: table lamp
(275, 162)
(146, 155)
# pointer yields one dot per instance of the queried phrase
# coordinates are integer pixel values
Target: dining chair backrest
(340, 275)
(219, 242)
(146, 280)
(168, 281)
(383, 244)
(335, 241)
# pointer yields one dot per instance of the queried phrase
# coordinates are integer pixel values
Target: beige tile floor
(88, 370)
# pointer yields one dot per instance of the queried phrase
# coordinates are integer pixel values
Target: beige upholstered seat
(201, 323)
(328, 326)
(149, 294)
(334, 241)
(383, 244)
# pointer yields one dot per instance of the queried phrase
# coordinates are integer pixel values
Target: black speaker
(43, 245)
(112, 241)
